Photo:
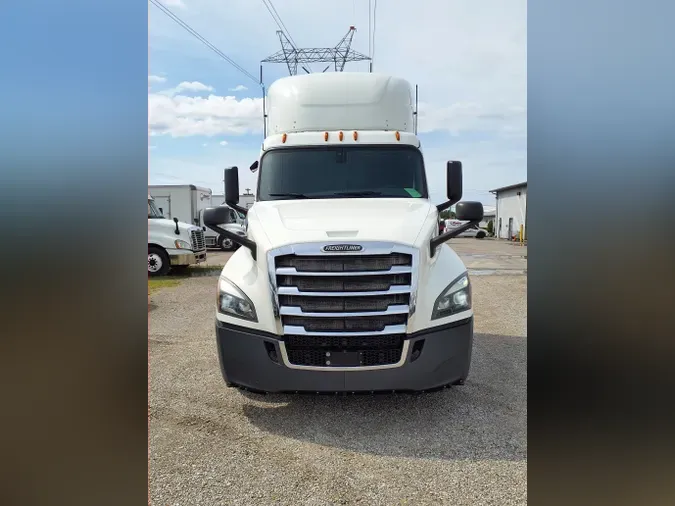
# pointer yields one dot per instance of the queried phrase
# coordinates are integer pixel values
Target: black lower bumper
(246, 362)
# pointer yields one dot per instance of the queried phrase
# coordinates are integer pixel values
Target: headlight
(182, 244)
(232, 301)
(454, 299)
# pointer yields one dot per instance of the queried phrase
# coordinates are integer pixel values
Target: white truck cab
(172, 243)
(322, 297)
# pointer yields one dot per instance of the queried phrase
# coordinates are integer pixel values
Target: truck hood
(293, 221)
(169, 226)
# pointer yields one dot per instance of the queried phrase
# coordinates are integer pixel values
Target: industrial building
(511, 211)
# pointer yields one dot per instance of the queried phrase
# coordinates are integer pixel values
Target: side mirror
(231, 186)
(216, 215)
(454, 185)
(469, 211)
(454, 181)
(254, 166)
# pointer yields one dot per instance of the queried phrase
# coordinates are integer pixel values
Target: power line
(277, 19)
(213, 48)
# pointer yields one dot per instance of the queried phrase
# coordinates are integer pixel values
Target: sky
(468, 58)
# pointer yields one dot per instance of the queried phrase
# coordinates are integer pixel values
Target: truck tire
(225, 243)
(158, 262)
(480, 235)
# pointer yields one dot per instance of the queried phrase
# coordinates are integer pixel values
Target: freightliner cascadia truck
(343, 283)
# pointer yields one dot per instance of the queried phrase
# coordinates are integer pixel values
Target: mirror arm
(446, 205)
(239, 239)
(237, 207)
(440, 239)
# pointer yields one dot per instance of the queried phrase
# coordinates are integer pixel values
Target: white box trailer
(181, 201)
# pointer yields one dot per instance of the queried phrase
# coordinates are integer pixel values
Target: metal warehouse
(511, 211)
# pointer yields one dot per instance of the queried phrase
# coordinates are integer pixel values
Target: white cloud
(152, 147)
(187, 86)
(156, 79)
(223, 143)
(205, 144)
(193, 86)
(239, 87)
(183, 116)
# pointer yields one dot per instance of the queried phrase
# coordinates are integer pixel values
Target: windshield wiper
(357, 194)
(293, 195)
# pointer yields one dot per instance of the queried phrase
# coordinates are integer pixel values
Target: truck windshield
(153, 212)
(342, 172)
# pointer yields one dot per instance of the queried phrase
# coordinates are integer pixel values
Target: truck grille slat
(344, 283)
(343, 304)
(372, 323)
(344, 263)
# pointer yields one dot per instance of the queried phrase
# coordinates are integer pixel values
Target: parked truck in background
(172, 243)
(235, 223)
(181, 201)
(321, 297)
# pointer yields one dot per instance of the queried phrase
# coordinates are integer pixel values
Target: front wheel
(225, 243)
(480, 235)
(158, 262)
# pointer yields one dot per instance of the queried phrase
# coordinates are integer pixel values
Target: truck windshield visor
(342, 172)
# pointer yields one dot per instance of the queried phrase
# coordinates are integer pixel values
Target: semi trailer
(320, 297)
(182, 201)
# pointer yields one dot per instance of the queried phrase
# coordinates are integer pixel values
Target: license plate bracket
(343, 358)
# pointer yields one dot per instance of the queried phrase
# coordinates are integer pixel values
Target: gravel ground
(210, 445)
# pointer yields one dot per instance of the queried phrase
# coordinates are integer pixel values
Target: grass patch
(155, 284)
(177, 275)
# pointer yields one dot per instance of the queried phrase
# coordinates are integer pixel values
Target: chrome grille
(345, 263)
(332, 303)
(197, 237)
(344, 283)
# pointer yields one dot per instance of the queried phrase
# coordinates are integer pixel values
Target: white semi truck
(321, 297)
(172, 243)
(187, 203)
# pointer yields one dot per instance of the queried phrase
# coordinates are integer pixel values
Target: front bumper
(245, 362)
(189, 258)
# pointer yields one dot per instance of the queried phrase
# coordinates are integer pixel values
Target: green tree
(490, 227)
(448, 215)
